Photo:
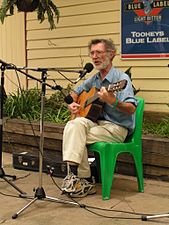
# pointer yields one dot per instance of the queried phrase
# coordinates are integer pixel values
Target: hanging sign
(144, 29)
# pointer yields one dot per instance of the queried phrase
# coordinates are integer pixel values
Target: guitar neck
(115, 87)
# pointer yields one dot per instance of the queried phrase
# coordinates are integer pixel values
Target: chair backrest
(136, 135)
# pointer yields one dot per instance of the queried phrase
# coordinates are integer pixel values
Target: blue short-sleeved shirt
(109, 112)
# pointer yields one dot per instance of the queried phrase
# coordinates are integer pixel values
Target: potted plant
(41, 6)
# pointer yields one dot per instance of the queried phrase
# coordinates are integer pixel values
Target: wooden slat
(75, 20)
(78, 31)
(71, 42)
(157, 107)
(139, 63)
(68, 52)
(149, 171)
(154, 97)
(152, 84)
(74, 61)
(158, 71)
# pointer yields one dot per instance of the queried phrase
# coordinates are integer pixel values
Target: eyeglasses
(97, 52)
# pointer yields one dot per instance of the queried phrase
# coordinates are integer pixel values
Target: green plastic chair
(109, 151)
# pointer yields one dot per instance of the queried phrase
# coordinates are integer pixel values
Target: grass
(160, 129)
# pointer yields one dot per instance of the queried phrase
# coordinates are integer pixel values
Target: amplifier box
(27, 161)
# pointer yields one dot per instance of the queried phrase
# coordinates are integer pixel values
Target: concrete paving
(126, 205)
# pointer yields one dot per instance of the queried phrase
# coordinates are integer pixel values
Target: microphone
(87, 69)
(68, 99)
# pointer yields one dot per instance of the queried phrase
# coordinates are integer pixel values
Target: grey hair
(109, 44)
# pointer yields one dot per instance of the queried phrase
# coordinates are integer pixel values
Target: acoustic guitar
(90, 105)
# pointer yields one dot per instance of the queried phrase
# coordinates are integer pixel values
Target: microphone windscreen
(68, 99)
(88, 67)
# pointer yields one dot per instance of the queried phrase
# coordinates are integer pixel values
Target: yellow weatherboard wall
(12, 48)
(66, 47)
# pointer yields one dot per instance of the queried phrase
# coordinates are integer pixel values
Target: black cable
(34, 135)
(114, 210)
(20, 88)
(54, 180)
(17, 76)
(8, 195)
(111, 217)
(88, 207)
(19, 178)
(65, 77)
(6, 75)
(35, 138)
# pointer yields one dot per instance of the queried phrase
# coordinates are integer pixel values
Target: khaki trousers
(80, 132)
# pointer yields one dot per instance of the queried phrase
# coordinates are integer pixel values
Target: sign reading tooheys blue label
(144, 29)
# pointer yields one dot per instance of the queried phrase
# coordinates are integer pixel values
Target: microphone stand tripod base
(150, 217)
(3, 176)
(40, 195)
(2, 92)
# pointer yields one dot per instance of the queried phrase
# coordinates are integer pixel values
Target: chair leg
(139, 170)
(107, 166)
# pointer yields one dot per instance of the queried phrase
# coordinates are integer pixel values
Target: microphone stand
(47, 69)
(2, 173)
(146, 218)
(40, 192)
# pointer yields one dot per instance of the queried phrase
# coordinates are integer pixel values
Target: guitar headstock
(118, 86)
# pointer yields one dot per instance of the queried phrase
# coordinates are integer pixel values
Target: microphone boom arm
(11, 66)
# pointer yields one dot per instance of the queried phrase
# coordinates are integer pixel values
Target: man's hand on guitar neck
(106, 96)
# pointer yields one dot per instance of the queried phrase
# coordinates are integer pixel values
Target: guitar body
(89, 110)
(90, 106)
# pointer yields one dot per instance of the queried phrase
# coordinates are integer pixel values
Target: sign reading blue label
(144, 29)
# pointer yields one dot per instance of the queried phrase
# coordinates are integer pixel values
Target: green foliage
(43, 7)
(47, 6)
(56, 109)
(160, 129)
(26, 105)
(5, 7)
